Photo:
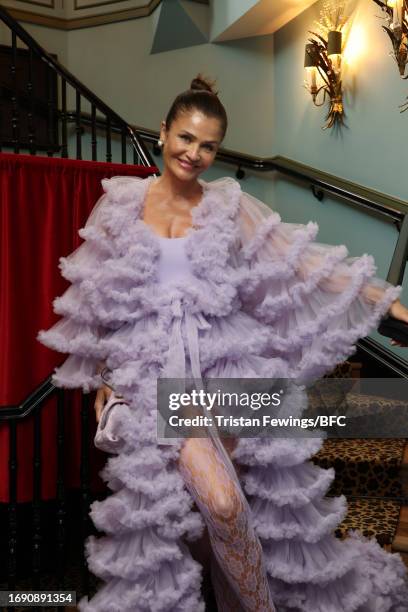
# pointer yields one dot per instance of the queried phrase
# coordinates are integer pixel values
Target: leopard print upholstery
(364, 467)
(373, 518)
(347, 369)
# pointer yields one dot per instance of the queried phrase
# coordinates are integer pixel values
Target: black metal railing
(20, 96)
(35, 547)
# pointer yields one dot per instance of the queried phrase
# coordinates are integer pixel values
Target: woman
(182, 278)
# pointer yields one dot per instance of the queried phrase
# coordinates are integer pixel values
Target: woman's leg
(227, 600)
(223, 506)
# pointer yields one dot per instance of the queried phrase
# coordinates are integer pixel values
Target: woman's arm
(399, 312)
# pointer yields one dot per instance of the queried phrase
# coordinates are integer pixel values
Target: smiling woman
(190, 141)
(181, 278)
(190, 138)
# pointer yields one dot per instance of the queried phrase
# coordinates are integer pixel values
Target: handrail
(19, 411)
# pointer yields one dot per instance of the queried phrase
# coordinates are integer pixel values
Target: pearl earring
(160, 142)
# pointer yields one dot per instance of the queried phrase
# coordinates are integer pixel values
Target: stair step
(373, 518)
(365, 467)
(404, 475)
(400, 543)
(405, 558)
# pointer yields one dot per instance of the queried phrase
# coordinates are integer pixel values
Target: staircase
(368, 473)
(373, 475)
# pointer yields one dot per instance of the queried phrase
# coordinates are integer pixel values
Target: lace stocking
(235, 545)
(227, 600)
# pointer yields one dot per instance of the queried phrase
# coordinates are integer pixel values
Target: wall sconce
(396, 14)
(397, 29)
(323, 59)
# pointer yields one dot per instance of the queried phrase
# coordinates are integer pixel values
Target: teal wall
(369, 151)
(115, 62)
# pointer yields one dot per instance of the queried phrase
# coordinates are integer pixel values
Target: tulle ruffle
(276, 304)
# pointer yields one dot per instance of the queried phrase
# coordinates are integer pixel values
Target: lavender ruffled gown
(249, 296)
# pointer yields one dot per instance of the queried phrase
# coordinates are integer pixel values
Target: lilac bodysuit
(174, 264)
(174, 272)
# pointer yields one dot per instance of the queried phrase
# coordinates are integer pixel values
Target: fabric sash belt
(176, 367)
(176, 357)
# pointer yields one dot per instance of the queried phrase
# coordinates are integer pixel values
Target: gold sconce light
(323, 61)
(396, 15)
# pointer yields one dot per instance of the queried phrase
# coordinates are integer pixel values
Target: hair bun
(200, 83)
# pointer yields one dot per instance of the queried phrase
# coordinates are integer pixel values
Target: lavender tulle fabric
(242, 295)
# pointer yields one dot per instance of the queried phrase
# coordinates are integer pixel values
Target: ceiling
(218, 20)
(253, 18)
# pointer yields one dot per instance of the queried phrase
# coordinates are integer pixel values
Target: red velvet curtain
(43, 203)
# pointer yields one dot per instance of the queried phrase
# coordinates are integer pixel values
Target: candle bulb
(313, 78)
(310, 65)
(396, 24)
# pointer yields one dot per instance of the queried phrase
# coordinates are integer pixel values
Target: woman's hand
(102, 397)
(400, 312)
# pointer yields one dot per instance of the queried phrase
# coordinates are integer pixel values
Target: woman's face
(190, 144)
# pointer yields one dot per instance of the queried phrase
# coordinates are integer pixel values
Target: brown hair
(202, 97)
